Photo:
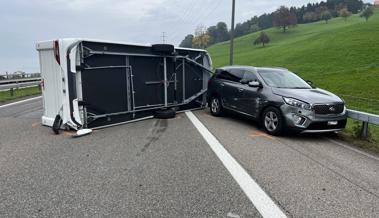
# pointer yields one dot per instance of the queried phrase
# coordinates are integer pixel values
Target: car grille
(329, 109)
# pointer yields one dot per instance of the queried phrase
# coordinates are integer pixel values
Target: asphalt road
(165, 168)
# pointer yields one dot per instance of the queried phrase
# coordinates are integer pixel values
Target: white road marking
(262, 202)
(353, 149)
(19, 102)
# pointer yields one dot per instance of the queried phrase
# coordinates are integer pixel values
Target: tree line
(283, 18)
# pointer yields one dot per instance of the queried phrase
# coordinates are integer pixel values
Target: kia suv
(277, 98)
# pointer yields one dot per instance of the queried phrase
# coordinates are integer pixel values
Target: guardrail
(18, 83)
(366, 118)
(10, 81)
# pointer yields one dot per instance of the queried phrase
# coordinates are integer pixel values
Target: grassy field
(340, 56)
(18, 93)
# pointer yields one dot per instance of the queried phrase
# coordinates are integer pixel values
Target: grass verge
(18, 93)
(351, 134)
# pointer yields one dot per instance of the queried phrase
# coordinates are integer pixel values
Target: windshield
(283, 79)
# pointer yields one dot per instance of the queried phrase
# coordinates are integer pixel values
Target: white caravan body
(95, 83)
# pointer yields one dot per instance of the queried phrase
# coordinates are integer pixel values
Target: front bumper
(307, 121)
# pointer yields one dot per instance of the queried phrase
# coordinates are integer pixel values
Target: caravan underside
(110, 83)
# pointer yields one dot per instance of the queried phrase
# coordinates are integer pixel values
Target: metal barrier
(366, 118)
(10, 81)
(19, 85)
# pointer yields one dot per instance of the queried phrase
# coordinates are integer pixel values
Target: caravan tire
(57, 124)
(163, 48)
(165, 114)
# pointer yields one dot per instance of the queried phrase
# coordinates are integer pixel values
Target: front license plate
(332, 123)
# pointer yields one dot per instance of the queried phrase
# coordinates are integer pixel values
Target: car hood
(312, 96)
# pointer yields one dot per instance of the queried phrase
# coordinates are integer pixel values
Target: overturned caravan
(93, 84)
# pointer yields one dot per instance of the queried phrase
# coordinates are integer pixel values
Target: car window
(237, 74)
(222, 74)
(231, 76)
(283, 79)
(250, 76)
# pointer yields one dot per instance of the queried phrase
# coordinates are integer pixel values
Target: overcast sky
(25, 22)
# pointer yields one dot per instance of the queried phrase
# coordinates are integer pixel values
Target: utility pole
(164, 37)
(232, 34)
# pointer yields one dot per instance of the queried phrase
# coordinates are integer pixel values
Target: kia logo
(332, 109)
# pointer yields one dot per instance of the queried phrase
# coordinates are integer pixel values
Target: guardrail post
(11, 92)
(364, 133)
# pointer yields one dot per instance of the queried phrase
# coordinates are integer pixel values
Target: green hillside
(340, 56)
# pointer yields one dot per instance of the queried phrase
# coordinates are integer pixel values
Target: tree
(262, 39)
(326, 15)
(265, 21)
(222, 32)
(354, 5)
(254, 28)
(201, 38)
(218, 33)
(344, 13)
(310, 17)
(213, 35)
(187, 41)
(284, 18)
(367, 12)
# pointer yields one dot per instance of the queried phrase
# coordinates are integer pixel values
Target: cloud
(130, 9)
(25, 22)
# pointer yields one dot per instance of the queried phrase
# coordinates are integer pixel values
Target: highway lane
(159, 168)
(307, 175)
(153, 168)
(30, 108)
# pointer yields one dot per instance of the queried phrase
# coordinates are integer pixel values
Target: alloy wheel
(215, 105)
(271, 121)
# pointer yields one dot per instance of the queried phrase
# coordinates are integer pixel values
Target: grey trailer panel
(121, 82)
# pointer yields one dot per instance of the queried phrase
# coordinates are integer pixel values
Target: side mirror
(255, 84)
(244, 81)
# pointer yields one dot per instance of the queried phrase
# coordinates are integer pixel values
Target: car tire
(215, 106)
(57, 124)
(272, 121)
(165, 114)
(163, 48)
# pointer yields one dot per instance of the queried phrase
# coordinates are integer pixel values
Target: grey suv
(277, 98)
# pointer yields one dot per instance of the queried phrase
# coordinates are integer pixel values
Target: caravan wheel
(57, 124)
(165, 114)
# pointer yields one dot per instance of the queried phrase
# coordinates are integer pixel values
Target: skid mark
(159, 127)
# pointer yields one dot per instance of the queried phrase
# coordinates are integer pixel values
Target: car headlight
(297, 103)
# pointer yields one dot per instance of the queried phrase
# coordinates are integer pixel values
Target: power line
(202, 16)
(164, 37)
(186, 17)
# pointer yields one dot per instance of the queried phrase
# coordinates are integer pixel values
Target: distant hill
(340, 56)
